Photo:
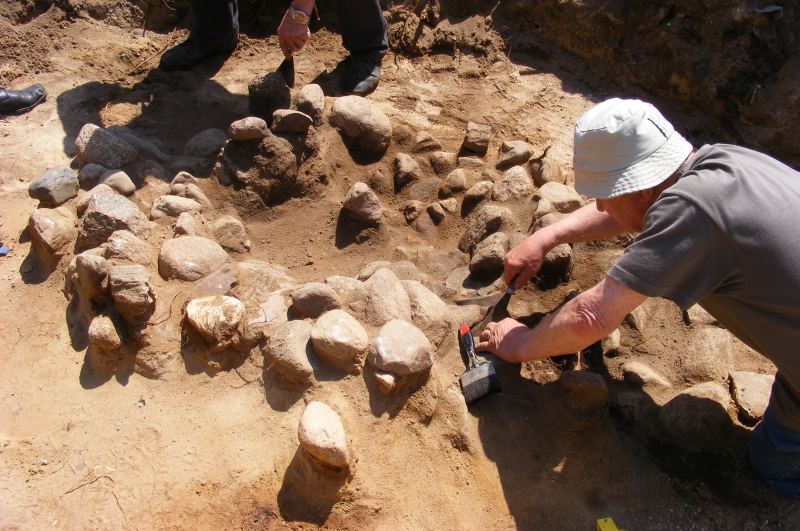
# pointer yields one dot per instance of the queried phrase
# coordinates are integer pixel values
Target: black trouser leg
(215, 19)
(363, 29)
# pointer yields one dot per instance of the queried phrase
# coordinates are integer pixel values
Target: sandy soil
(192, 450)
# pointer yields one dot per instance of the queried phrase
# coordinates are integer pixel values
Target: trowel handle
(513, 283)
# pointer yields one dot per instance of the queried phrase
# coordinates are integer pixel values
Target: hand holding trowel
(293, 33)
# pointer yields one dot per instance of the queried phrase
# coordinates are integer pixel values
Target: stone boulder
(455, 182)
(83, 200)
(314, 299)
(288, 121)
(363, 203)
(514, 185)
(186, 225)
(709, 356)
(362, 121)
(425, 142)
(132, 292)
(231, 234)
(486, 221)
(514, 152)
(173, 206)
(190, 258)
(206, 144)
(96, 145)
(751, 393)
(108, 213)
(125, 247)
(402, 349)
(406, 170)
(386, 298)
(52, 228)
(250, 128)
(480, 191)
(267, 94)
(55, 186)
(428, 312)
(218, 319)
(310, 100)
(91, 271)
(546, 170)
(488, 257)
(563, 198)
(695, 418)
(477, 138)
(340, 340)
(103, 335)
(322, 435)
(269, 167)
(119, 181)
(288, 347)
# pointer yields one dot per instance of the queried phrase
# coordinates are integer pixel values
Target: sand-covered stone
(340, 340)
(455, 182)
(514, 185)
(428, 312)
(425, 189)
(406, 170)
(288, 347)
(557, 263)
(119, 181)
(96, 145)
(103, 335)
(443, 162)
(190, 258)
(480, 191)
(401, 348)
(231, 234)
(611, 343)
(563, 198)
(173, 206)
(52, 228)
(55, 186)
(583, 390)
(638, 374)
(477, 137)
(310, 100)
(322, 435)
(751, 392)
(361, 120)
(697, 315)
(450, 205)
(83, 200)
(709, 355)
(362, 201)
(133, 294)
(404, 270)
(696, 417)
(314, 299)
(348, 289)
(546, 170)
(186, 225)
(386, 298)
(369, 269)
(108, 213)
(488, 256)
(412, 209)
(514, 152)
(192, 191)
(124, 246)
(547, 220)
(486, 221)
(289, 121)
(268, 93)
(268, 167)
(425, 142)
(250, 128)
(218, 319)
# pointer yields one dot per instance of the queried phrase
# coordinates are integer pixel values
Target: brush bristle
(479, 382)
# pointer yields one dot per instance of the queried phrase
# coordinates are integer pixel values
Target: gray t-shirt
(727, 235)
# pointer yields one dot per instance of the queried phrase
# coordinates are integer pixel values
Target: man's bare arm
(586, 223)
(588, 318)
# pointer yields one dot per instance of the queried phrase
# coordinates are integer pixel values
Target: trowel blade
(286, 69)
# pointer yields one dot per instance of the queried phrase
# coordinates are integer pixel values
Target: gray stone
(449, 205)
(288, 121)
(401, 348)
(436, 212)
(340, 340)
(119, 181)
(488, 257)
(546, 170)
(364, 203)
(89, 175)
(310, 100)
(442, 264)
(188, 163)
(515, 184)
(268, 93)
(218, 319)
(558, 263)
(473, 163)
(477, 137)
(52, 228)
(428, 312)
(583, 390)
(288, 347)
(142, 146)
(563, 198)
(250, 128)
(547, 220)
(96, 145)
(424, 190)
(425, 142)
(386, 298)
(173, 206)
(231, 234)
(206, 143)
(107, 213)
(92, 273)
(696, 315)
(487, 220)
(695, 418)
(133, 294)
(709, 356)
(612, 342)
(368, 270)
(55, 186)
(514, 152)
(190, 258)
(186, 225)
(637, 319)
(103, 335)
(83, 200)
(639, 374)
(322, 435)
(443, 162)
(314, 299)
(124, 246)
(480, 191)
(751, 392)
(412, 210)
(406, 170)
(455, 182)
(361, 120)
(404, 270)
(192, 191)
(269, 168)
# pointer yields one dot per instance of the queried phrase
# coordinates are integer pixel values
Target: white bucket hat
(624, 146)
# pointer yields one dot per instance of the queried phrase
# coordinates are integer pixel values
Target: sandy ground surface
(197, 451)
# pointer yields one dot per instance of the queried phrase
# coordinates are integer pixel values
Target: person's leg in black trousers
(363, 30)
(216, 30)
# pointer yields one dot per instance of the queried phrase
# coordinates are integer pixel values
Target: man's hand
(525, 259)
(291, 35)
(505, 339)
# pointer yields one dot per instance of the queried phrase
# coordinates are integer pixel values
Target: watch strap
(299, 16)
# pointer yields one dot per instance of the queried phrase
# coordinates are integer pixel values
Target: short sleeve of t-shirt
(681, 255)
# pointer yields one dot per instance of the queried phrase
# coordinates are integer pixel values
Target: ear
(646, 196)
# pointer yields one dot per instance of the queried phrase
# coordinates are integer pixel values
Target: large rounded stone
(133, 295)
(107, 213)
(563, 198)
(487, 259)
(267, 94)
(386, 299)
(52, 228)
(709, 355)
(190, 258)
(218, 319)
(313, 299)
(250, 128)
(55, 186)
(322, 435)
(118, 181)
(288, 347)
(364, 203)
(340, 340)
(96, 145)
(310, 100)
(103, 335)
(515, 184)
(206, 143)
(359, 119)
(695, 418)
(401, 348)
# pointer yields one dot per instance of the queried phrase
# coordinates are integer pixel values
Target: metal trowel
(500, 310)
(286, 69)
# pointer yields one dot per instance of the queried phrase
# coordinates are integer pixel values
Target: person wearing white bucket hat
(716, 227)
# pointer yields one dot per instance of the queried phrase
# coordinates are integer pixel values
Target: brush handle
(465, 338)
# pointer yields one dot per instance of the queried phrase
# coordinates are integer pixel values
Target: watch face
(298, 16)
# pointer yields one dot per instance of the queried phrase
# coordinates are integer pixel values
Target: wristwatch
(298, 16)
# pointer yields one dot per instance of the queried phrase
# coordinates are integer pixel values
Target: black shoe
(361, 79)
(193, 50)
(19, 101)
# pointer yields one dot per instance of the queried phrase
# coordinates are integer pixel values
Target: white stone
(364, 202)
(363, 121)
(751, 392)
(190, 258)
(709, 355)
(322, 435)
(218, 319)
(401, 348)
(340, 340)
(386, 298)
(563, 198)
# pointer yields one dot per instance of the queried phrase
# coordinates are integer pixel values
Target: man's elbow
(590, 321)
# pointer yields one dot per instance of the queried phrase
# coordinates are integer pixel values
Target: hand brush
(480, 379)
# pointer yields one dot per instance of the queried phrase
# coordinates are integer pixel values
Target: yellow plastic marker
(606, 524)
